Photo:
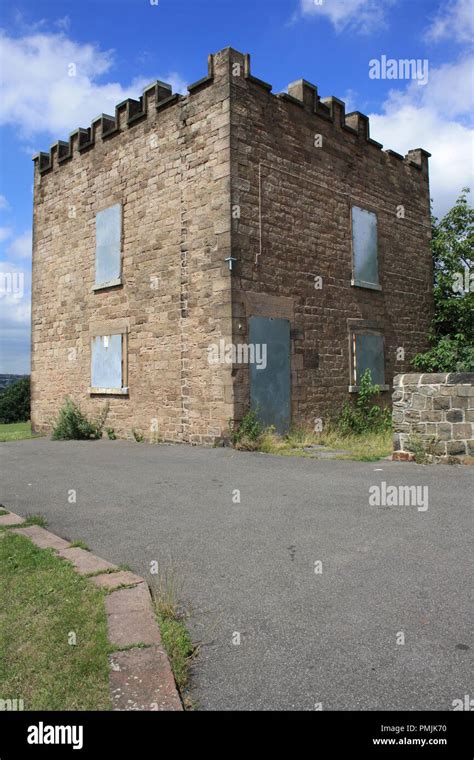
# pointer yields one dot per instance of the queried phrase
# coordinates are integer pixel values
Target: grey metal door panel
(270, 386)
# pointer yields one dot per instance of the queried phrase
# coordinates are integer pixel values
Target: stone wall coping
(438, 378)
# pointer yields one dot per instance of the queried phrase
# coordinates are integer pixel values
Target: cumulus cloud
(49, 83)
(436, 117)
(362, 16)
(454, 20)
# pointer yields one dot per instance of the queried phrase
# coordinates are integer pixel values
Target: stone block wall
(168, 164)
(436, 410)
(299, 163)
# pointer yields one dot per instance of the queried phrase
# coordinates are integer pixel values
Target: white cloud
(5, 232)
(20, 248)
(39, 95)
(363, 16)
(455, 20)
(435, 117)
(3, 203)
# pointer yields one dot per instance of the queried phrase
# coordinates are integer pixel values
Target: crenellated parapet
(158, 95)
(332, 109)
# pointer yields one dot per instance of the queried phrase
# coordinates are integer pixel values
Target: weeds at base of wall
(362, 430)
(73, 424)
(424, 452)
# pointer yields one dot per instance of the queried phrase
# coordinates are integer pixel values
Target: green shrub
(73, 424)
(138, 435)
(364, 416)
(111, 434)
(247, 435)
(15, 402)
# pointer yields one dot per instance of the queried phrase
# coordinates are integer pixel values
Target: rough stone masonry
(230, 203)
(435, 411)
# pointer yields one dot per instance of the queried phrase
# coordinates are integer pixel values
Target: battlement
(158, 96)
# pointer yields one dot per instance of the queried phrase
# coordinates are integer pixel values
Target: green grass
(44, 600)
(174, 634)
(367, 447)
(35, 520)
(79, 544)
(16, 431)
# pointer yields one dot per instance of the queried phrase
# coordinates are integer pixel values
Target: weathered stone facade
(436, 411)
(231, 171)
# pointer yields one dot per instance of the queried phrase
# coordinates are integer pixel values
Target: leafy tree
(15, 402)
(452, 330)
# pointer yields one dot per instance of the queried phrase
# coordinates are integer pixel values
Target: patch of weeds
(35, 520)
(171, 619)
(423, 451)
(364, 416)
(79, 544)
(4, 512)
(73, 424)
(247, 435)
(111, 434)
(127, 647)
(138, 435)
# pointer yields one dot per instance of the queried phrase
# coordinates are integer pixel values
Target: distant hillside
(8, 379)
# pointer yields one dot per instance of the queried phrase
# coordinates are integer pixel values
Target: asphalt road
(248, 568)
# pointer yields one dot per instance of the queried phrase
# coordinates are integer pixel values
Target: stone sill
(368, 285)
(109, 391)
(356, 388)
(110, 284)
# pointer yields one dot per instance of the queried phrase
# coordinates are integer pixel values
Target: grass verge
(45, 603)
(16, 431)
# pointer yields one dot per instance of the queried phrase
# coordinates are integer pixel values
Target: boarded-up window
(368, 353)
(108, 235)
(107, 362)
(364, 248)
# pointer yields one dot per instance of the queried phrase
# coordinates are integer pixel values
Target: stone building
(197, 255)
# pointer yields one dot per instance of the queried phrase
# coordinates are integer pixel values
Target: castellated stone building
(196, 256)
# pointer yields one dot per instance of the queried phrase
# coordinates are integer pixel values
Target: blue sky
(118, 46)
